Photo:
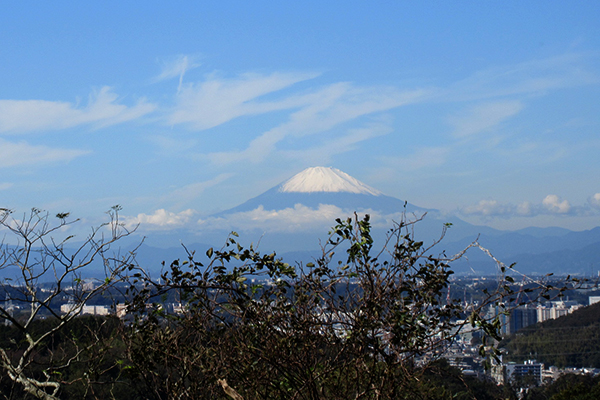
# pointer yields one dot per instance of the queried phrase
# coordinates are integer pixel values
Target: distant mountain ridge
(535, 250)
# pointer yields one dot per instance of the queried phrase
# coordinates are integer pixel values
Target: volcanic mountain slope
(325, 185)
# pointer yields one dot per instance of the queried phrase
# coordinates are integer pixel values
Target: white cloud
(172, 146)
(483, 117)
(550, 205)
(321, 154)
(5, 185)
(188, 193)
(321, 112)
(488, 208)
(424, 157)
(20, 116)
(177, 68)
(298, 218)
(527, 78)
(216, 101)
(160, 219)
(525, 209)
(594, 201)
(554, 204)
(22, 153)
(182, 197)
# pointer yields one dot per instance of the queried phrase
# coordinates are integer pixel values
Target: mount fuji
(315, 197)
(325, 185)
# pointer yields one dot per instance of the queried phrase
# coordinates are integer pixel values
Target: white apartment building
(556, 309)
(86, 309)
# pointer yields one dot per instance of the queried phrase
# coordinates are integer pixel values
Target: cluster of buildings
(533, 373)
(529, 370)
(520, 317)
(464, 355)
(120, 310)
(85, 309)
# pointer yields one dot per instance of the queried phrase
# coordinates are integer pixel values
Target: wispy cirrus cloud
(172, 146)
(422, 157)
(188, 193)
(526, 78)
(177, 68)
(483, 117)
(319, 113)
(323, 152)
(184, 196)
(495, 95)
(216, 101)
(22, 116)
(490, 98)
(24, 154)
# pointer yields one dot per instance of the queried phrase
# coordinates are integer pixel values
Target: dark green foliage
(352, 330)
(570, 341)
(445, 381)
(86, 358)
(568, 387)
(40, 356)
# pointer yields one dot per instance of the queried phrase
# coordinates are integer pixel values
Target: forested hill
(569, 341)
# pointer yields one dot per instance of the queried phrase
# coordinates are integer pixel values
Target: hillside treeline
(570, 341)
(104, 364)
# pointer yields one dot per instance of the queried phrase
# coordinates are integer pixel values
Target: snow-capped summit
(318, 186)
(325, 179)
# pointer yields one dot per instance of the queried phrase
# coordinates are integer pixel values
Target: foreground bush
(367, 326)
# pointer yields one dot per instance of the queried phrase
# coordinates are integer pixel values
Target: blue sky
(486, 110)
